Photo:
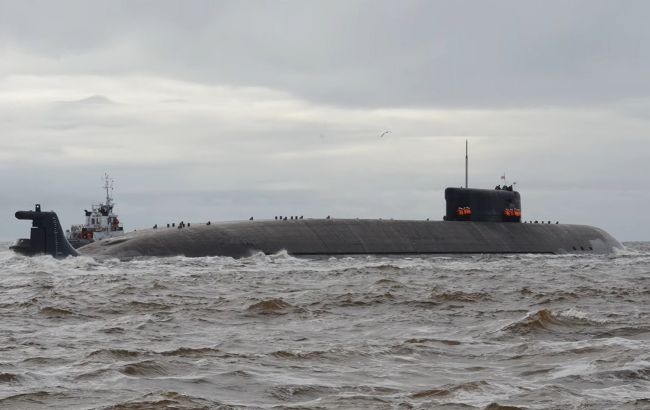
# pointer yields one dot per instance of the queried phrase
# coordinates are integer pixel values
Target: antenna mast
(108, 184)
(466, 164)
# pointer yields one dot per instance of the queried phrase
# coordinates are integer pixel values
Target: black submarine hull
(354, 236)
(476, 221)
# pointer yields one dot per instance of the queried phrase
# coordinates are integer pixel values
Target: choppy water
(360, 332)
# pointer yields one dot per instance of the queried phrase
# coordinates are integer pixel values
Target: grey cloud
(360, 53)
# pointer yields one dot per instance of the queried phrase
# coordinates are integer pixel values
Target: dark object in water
(486, 228)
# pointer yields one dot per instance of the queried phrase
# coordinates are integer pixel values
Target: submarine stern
(46, 235)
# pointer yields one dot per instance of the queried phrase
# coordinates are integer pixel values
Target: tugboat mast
(108, 184)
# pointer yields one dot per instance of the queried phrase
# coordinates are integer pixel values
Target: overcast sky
(220, 110)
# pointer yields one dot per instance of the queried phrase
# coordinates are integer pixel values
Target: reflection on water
(350, 332)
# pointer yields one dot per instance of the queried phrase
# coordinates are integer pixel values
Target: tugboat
(101, 222)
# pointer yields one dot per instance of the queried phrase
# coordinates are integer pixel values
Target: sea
(362, 332)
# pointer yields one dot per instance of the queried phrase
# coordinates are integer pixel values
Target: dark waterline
(473, 331)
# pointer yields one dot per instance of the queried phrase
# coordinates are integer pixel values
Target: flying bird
(384, 133)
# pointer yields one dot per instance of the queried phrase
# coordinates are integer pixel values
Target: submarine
(477, 221)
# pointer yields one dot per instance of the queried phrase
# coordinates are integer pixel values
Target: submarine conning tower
(482, 205)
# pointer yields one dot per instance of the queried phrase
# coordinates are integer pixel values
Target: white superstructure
(100, 222)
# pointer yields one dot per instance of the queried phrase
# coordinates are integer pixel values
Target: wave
(285, 354)
(262, 258)
(41, 398)
(396, 297)
(237, 373)
(460, 296)
(127, 355)
(289, 392)
(334, 354)
(450, 389)
(44, 361)
(625, 331)
(196, 352)
(634, 371)
(146, 368)
(536, 372)
(147, 306)
(638, 404)
(631, 250)
(497, 406)
(170, 400)
(547, 320)
(53, 312)
(361, 299)
(113, 354)
(93, 375)
(113, 330)
(389, 283)
(383, 268)
(275, 306)
(427, 340)
(9, 378)
(361, 395)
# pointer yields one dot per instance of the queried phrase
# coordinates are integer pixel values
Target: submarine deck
(355, 236)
